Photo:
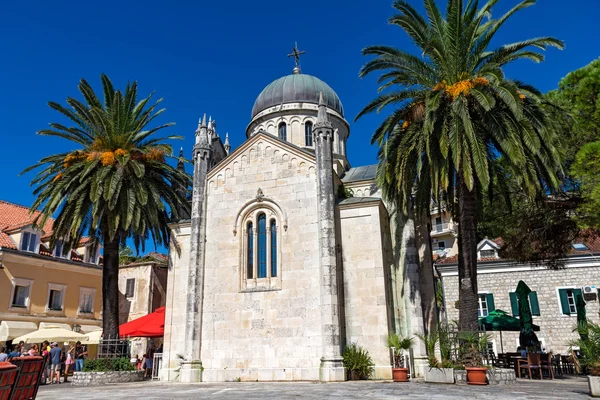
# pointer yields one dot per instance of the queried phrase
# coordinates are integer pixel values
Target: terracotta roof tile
(590, 240)
(15, 216)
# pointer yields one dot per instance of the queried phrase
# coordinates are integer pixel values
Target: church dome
(297, 88)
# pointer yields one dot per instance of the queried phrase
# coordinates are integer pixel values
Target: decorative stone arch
(260, 259)
(262, 202)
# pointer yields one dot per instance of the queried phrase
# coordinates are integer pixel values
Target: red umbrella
(151, 325)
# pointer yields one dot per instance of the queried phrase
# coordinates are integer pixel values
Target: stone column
(331, 368)
(191, 368)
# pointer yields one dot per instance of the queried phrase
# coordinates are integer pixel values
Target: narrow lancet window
(273, 248)
(250, 254)
(308, 133)
(262, 246)
(282, 131)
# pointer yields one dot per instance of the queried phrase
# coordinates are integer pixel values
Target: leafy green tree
(579, 94)
(586, 169)
(455, 113)
(116, 185)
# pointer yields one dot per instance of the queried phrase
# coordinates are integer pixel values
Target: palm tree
(116, 185)
(456, 116)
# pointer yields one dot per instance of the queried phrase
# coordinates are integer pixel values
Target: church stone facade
(276, 270)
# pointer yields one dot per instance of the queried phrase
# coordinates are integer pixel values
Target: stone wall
(251, 331)
(556, 329)
(103, 378)
(366, 282)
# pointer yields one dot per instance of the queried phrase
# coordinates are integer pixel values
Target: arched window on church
(250, 247)
(273, 232)
(262, 245)
(282, 131)
(260, 261)
(308, 133)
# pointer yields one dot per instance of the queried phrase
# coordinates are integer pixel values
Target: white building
(553, 297)
(276, 271)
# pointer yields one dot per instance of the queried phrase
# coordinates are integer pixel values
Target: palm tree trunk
(467, 256)
(110, 284)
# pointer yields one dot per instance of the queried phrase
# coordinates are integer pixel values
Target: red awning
(151, 325)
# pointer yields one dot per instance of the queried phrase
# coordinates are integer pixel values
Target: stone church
(289, 253)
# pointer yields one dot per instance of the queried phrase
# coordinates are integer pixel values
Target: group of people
(59, 361)
(18, 350)
(62, 359)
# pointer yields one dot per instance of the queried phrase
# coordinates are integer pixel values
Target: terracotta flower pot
(476, 376)
(400, 374)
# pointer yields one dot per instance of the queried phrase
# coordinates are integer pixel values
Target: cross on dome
(296, 54)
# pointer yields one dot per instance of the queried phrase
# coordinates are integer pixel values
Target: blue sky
(216, 57)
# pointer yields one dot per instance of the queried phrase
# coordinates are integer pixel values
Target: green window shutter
(564, 301)
(489, 298)
(535, 305)
(514, 304)
(576, 294)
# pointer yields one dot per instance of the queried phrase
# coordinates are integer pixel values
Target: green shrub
(589, 347)
(108, 364)
(400, 344)
(358, 359)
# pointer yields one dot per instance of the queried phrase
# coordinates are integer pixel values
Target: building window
(282, 131)
(92, 254)
(308, 133)
(262, 245)
(21, 289)
(86, 300)
(534, 304)
(262, 252)
(56, 297)
(442, 245)
(130, 288)
(250, 245)
(487, 253)
(486, 304)
(60, 250)
(29, 241)
(273, 248)
(568, 300)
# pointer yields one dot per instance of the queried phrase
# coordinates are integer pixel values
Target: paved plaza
(572, 389)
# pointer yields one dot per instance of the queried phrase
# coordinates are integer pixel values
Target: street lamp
(76, 328)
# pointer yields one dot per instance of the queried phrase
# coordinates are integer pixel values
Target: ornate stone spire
(180, 165)
(227, 145)
(322, 118)
(201, 133)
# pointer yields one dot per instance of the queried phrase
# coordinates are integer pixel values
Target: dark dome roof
(296, 88)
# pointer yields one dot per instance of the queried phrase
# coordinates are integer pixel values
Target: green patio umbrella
(527, 338)
(581, 316)
(499, 320)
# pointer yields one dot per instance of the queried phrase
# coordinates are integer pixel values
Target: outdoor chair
(532, 363)
(556, 364)
(546, 364)
(8, 375)
(567, 364)
(28, 378)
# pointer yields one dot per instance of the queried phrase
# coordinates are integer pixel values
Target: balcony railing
(439, 228)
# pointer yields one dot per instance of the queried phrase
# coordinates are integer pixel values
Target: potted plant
(398, 344)
(358, 362)
(438, 372)
(472, 344)
(589, 348)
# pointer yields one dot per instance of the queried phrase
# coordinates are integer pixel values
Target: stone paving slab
(574, 389)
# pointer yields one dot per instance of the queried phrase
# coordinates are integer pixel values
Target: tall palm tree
(116, 185)
(456, 115)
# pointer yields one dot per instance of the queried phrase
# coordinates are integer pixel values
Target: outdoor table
(516, 361)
